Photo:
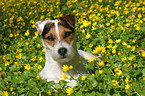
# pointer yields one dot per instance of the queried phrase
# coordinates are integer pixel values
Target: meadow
(113, 30)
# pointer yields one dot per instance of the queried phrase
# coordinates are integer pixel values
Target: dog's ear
(40, 25)
(70, 19)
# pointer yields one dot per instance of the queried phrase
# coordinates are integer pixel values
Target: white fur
(53, 66)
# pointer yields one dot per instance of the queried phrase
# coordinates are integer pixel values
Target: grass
(110, 29)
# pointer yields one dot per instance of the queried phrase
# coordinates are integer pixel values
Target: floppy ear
(40, 25)
(70, 19)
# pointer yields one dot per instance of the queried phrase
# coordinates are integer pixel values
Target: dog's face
(58, 36)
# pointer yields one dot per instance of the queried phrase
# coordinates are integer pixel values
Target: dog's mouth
(63, 57)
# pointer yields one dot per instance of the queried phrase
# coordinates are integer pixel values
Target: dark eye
(50, 38)
(67, 34)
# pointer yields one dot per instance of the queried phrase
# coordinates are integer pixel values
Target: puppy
(59, 41)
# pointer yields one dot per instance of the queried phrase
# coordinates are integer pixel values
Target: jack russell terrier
(59, 41)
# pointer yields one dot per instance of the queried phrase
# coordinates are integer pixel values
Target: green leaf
(31, 82)
(57, 86)
(90, 94)
(143, 71)
(8, 56)
(21, 90)
(79, 93)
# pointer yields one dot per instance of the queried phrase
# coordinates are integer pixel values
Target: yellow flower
(110, 41)
(69, 90)
(114, 47)
(0, 68)
(111, 21)
(127, 80)
(118, 41)
(128, 46)
(100, 0)
(43, 50)
(135, 65)
(127, 86)
(28, 67)
(63, 77)
(116, 69)
(83, 31)
(27, 33)
(108, 24)
(115, 83)
(39, 66)
(101, 64)
(19, 56)
(27, 43)
(83, 77)
(138, 27)
(128, 24)
(6, 63)
(70, 67)
(19, 72)
(109, 46)
(4, 93)
(39, 45)
(139, 16)
(128, 64)
(114, 51)
(49, 93)
(100, 71)
(124, 44)
(88, 36)
(5, 46)
(91, 45)
(143, 78)
(124, 59)
(32, 21)
(33, 26)
(65, 68)
(11, 88)
(40, 58)
(42, 17)
(134, 40)
(132, 48)
(11, 35)
(38, 77)
(19, 19)
(119, 53)
(91, 60)
(119, 73)
(143, 54)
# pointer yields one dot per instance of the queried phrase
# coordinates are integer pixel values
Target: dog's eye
(67, 34)
(50, 38)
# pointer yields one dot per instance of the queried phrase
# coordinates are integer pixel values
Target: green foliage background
(99, 24)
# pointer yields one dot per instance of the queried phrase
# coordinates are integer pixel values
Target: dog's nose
(62, 51)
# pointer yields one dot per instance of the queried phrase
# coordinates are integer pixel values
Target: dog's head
(58, 36)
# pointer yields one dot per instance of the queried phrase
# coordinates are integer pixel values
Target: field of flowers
(114, 30)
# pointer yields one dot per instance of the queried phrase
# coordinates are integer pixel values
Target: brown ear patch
(69, 19)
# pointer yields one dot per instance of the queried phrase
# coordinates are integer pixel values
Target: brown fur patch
(62, 32)
(54, 36)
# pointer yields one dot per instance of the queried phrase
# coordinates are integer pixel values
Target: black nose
(62, 51)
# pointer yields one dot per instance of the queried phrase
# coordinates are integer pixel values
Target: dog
(59, 41)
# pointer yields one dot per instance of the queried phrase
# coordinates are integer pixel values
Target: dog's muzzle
(62, 52)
